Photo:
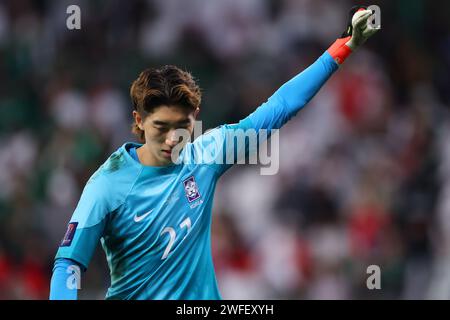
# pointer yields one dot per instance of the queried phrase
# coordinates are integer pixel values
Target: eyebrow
(164, 123)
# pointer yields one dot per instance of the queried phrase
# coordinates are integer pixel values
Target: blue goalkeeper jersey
(154, 223)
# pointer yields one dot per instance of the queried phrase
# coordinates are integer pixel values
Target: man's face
(160, 126)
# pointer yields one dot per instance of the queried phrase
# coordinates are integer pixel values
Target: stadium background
(365, 168)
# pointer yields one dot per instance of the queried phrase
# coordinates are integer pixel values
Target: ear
(196, 112)
(138, 120)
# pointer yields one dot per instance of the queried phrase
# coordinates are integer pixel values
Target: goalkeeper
(153, 216)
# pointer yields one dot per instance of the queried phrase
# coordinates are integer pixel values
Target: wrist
(340, 49)
(351, 44)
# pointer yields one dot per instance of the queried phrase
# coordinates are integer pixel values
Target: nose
(171, 139)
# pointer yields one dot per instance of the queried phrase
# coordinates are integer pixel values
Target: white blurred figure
(17, 160)
(70, 109)
(329, 244)
(62, 195)
(62, 188)
(330, 286)
(242, 285)
(329, 248)
(278, 255)
(161, 35)
(232, 27)
(249, 197)
(107, 108)
(304, 19)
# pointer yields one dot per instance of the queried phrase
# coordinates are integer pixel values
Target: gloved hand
(355, 34)
(360, 31)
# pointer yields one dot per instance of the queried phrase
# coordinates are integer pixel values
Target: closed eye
(161, 129)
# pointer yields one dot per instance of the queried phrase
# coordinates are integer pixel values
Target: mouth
(167, 153)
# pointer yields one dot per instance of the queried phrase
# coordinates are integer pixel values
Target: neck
(146, 158)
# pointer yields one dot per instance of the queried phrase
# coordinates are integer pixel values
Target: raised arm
(297, 92)
(291, 97)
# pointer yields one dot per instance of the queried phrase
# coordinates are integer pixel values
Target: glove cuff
(339, 51)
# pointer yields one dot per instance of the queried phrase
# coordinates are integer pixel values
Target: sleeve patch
(70, 233)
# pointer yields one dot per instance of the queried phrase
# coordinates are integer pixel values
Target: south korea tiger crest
(191, 189)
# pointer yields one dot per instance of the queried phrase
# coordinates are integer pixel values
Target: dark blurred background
(364, 169)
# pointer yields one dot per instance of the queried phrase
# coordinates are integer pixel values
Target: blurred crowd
(364, 173)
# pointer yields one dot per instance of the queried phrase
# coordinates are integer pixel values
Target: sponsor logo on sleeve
(70, 233)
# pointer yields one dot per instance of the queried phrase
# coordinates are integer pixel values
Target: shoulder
(117, 163)
(118, 166)
(112, 181)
